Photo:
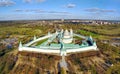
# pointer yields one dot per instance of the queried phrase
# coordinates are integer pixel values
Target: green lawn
(87, 33)
(40, 42)
(113, 30)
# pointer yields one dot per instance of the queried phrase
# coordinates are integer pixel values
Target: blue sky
(59, 9)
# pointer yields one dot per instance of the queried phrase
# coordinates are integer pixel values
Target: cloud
(41, 11)
(27, 1)
(28, 10)
(98, 10)
(6, 2)
(30, 1)
(71, 5)
(18, 10)
(61, 12)
(40, 0)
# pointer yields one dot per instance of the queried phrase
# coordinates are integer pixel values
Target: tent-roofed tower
(20, 46)
(67, 36)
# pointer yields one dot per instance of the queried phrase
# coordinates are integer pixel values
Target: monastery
(61, 42)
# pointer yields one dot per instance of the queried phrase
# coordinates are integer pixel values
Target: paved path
(63, 63)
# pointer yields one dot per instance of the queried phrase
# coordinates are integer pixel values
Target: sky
(59, 9)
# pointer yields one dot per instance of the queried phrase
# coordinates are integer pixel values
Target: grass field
(36, 63)
(110, 30)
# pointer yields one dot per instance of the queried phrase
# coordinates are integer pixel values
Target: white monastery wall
(82, 49)
(58, 51)
(39, 50)
(41, 38)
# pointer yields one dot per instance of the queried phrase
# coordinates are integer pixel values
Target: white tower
(34, 37)
(62, 31)
(67, 37)
(71, 32)
(56, 32)
(20, 46)
(66, 34)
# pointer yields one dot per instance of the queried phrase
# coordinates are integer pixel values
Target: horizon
(64, 9)
(59, 19)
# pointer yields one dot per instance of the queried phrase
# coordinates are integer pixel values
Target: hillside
(105, 61)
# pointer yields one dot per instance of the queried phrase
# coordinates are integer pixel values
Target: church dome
(66, 34)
